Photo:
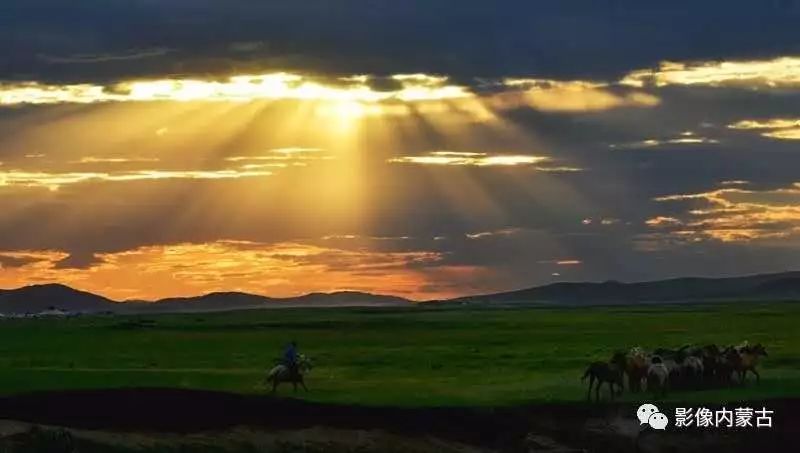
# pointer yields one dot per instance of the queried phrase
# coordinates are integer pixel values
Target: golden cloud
(273, 86)
(778, 128)
(784, 134)
(114, 160)
(686, 138)
(282, 157)
(342, 96)
(661, 221)
(783, 72)
(563, 262)
(475, 159)
(735, 215)
(570, 96)
(501, 232)
(53, 181)
(281, 270)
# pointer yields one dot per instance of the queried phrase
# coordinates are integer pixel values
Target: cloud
(20, 258)
(661, 221)
(655, 143)
(135, 54)
(685, 138)
(494, 233)
(282, 157)
(479, 159)
(270, 86)
(247, 46)
(777, 128)
(349, 237)
(280, 269)
(564, 262)
(781, 72)
(365, 94)
(54, 181)
(114, 160)
(459, 158)
(570, 96)
(735, 215)
(784, 134)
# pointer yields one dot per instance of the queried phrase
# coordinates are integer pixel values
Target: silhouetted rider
(290, 357)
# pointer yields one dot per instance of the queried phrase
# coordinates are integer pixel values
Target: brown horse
(636, 364)
(610, 372)
(747, 360)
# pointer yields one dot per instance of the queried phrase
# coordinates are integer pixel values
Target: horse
(636, 368)
(658, 376)
(692, 372)
(727, 363)
(710, 355)
(748, 358)
(610, 372)
(282, 373)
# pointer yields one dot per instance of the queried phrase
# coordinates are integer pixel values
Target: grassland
(405, 357)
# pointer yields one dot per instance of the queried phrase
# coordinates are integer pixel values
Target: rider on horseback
(290, 358)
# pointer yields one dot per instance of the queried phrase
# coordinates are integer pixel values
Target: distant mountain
(765, 286)
(38, 298)
(346, 298)
(782, 286)
(788, 287)
(224, 301)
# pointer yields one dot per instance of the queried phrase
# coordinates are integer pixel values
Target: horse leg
(758, 376)
(274, 385)
(611, 389)
(591, 383)
(303, 383)
(597, 390)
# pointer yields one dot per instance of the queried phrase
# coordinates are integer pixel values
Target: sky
(425, 148)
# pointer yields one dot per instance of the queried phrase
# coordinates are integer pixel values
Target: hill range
(777, 286)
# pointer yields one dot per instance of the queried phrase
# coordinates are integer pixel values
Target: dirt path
(578, 427)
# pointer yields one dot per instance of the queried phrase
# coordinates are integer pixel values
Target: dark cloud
(465, 39)
(16, 261)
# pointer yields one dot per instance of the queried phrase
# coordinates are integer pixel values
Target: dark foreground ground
(148, 420)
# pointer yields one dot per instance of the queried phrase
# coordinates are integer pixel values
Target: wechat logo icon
(648, 414)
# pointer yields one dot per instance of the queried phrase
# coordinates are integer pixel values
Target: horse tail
(587, 373)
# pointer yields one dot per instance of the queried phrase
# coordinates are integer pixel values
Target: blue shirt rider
(290, 357)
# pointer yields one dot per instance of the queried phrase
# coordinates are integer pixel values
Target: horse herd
(690, 367)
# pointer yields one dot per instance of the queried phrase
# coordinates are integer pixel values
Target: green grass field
(409, 357)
